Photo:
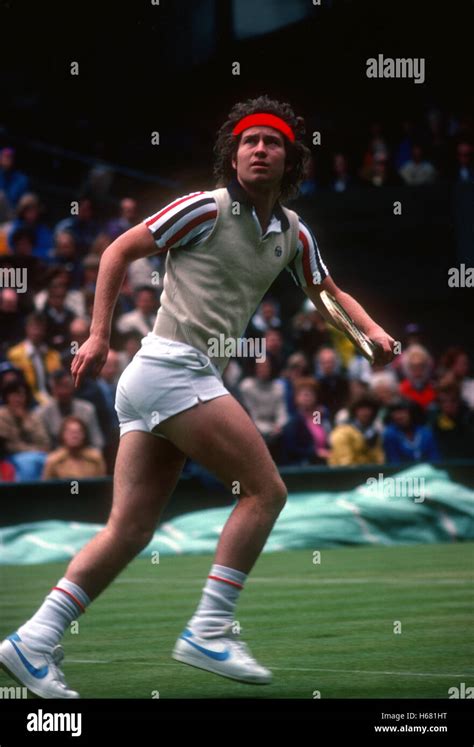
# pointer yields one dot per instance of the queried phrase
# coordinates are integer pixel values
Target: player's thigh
(220, 435)
(146, 471)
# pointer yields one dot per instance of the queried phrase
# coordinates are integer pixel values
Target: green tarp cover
(419, 504)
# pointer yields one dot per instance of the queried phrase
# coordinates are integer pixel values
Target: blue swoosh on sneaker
(218, 655)
(38, 673)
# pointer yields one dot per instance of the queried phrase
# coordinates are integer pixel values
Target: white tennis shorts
(165, 377)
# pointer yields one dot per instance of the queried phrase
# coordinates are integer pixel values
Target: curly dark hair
(297, 153)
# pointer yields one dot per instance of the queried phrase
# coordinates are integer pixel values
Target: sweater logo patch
(278, 251)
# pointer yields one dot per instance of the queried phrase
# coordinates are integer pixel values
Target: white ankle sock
(220, 595)
(45, 629)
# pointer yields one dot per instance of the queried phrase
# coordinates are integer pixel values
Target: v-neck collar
(278, 222)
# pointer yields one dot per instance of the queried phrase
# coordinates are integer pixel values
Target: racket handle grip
(376, 347)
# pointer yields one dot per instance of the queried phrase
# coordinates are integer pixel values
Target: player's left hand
(384, 347)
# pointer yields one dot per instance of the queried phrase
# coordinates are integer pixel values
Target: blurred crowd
(434, 147)
(313, 399)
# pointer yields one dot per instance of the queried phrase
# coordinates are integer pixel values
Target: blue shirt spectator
(404, 440)
(83, 226)
(28, 216)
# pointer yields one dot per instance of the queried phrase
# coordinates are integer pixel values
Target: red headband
(270, 120)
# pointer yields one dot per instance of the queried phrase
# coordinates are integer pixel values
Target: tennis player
(224, 248)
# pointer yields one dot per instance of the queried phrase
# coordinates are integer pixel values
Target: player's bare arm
(384, 353)
(135, 243)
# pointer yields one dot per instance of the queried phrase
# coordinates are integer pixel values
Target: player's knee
(134, 535)
(274, 494)
(281, 494)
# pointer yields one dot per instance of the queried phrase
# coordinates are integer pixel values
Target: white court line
(88, 661)
(366, 671)
(289, 669)
(315, 581)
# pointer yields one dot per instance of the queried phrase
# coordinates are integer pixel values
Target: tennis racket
(343, 322)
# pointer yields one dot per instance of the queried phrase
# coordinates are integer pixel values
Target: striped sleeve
(307, 267)
(186, 221)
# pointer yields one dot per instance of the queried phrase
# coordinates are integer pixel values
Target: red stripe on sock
(58, 588)
(226, 580)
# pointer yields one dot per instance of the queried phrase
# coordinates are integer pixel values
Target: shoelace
(244, 651)
(57, 655)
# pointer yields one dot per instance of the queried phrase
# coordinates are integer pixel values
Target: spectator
(13, 183)
(464, 168)
(126, 299)
(64, 404)
(296, 367)
(90, 266)
(381, 174)
(341, 180)
(128, 217)
(89, 388)
(28, 212)
(8, 374)
(417, 367)
(264, 399)
(452, 423)
(22, 241)
(357, 442)
(107, 382)
(84, 226)
(131, 344)
(58, 316)
(276, 346)
(304, 438)
(5, 228)
(78, 333)
(456, 365)
(74, 458)
(437, 140)
(333, 385)
(377, 146)
(309, 186)
(357, 389)
(266, 316)
(74, 299)
(25, 439)
(35, 358)
(384, 387)
(142, 319)
(309, 330)
(145, 271)
(100, 244)
(109, 376)
(405, 440)
(66, 256)
(359, 368)
(418, 170)
(12, 310)
(413, 335)
(98, 182)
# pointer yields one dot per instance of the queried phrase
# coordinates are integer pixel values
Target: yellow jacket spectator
(357, 442)
(35, 358)
(74, 458)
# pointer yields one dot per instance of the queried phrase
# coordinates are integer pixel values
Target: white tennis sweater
(212, 289)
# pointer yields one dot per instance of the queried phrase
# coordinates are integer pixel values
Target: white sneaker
(38, 671)
(222, 653)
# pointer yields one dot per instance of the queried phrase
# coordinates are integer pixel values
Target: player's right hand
(89, 359)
